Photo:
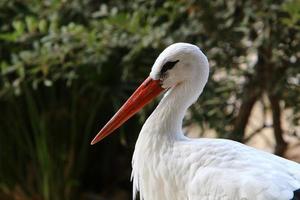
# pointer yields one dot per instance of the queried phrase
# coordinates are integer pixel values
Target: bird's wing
(223, 169)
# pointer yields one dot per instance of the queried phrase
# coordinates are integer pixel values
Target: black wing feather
(296, 195)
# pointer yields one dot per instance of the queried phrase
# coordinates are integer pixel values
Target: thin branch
(256, 131)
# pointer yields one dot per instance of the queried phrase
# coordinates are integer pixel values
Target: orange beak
(147, 91)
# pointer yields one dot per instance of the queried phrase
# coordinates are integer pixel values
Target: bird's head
(178, 63)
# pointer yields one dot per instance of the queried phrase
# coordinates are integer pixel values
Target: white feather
(169, 166)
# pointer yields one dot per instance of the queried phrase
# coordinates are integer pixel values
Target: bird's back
(215, 169)
(232, 170)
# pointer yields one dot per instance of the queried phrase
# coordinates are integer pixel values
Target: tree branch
(258, 130)
(241, 121)
(281, 145)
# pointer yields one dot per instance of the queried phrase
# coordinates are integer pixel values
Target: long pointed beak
(147, 91)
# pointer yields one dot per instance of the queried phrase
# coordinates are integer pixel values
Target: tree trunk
(241, 121)
(281, 145)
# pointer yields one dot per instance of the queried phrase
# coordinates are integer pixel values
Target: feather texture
(169, 166)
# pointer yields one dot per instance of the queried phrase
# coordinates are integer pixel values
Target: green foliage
(61, 60)
(293, 10)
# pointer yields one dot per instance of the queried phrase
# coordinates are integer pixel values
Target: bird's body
(169, 166)
(212, 169)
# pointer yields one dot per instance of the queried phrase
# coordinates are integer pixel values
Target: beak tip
(97, 138)
(94, 141)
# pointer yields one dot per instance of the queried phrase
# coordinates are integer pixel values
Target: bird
(167, 165)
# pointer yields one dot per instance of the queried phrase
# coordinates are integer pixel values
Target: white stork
(169, 166)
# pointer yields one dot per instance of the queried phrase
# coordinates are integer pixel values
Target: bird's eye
(168, 65)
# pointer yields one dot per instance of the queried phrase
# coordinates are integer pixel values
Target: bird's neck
(162, 129)
(165, 123)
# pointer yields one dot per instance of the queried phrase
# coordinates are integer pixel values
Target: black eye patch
(168, 65)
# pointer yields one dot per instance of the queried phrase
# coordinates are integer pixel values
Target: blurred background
(67, 66)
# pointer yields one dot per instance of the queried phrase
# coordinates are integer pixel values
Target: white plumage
(169, 166)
